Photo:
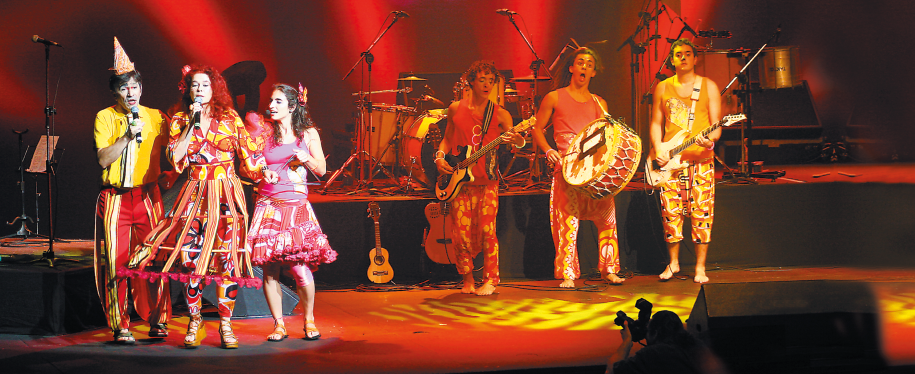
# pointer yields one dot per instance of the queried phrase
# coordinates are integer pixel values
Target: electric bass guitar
(438, 241)
(448, 185)
(380, 270)
(656, 175)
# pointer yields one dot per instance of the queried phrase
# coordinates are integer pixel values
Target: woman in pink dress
(284, 231)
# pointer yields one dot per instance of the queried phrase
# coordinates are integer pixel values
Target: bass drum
(420, 140)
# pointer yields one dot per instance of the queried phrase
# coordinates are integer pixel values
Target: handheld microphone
(400, 13)
(198, 100)
(136, 115)
(38, 39)
(505, 12)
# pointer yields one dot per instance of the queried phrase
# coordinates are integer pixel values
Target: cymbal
(528, 78)
(412, 78)
(510, 92)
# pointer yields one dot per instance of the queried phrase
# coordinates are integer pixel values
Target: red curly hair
(221, 105)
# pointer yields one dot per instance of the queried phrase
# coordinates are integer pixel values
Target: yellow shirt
(142, 159)
(676, 109)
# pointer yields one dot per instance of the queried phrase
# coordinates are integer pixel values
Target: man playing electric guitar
(572, 107)
(688, 102)
(473, 122)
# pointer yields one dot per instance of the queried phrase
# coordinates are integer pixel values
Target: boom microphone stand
(365, 102)
(49, 112)
(535, 171)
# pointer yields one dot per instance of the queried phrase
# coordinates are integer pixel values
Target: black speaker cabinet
(250, 302)
(798, 326)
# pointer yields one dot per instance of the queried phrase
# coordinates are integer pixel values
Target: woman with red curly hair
(205, 231)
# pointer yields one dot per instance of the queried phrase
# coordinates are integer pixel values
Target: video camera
(638, 328)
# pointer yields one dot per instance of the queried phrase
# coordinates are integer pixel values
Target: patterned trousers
(473, 223)
(568, 206)
(123, 219)
(699, 188)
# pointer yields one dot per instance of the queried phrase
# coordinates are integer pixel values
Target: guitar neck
(377, 235)
(689, 142)
(493, 144)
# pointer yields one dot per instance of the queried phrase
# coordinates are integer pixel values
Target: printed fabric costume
(474, 208)
(284, 227)
(128, 207)
(699, 188)
(569, 205)
(204, 233)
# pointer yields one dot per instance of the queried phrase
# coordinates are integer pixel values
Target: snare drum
(419, 142)
(602, 158)
(386, 121)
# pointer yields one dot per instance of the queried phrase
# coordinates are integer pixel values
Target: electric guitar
(448, 185)
(656, 175)
(438, 241)
(380, 270)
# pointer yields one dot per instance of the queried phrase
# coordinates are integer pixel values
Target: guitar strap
(686, 175)
(490, 162)
(697, 89)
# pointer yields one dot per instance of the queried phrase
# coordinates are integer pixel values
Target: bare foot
(486, 289)
(670, 271)
(700, 276)
(613, 278)
(567, 283)
(468, 284)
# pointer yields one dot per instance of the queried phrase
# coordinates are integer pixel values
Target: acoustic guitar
(438, 241)
(448, 185)
(655, 175)
(380, 270)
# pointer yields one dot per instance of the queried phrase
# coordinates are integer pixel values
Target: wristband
(523, 143)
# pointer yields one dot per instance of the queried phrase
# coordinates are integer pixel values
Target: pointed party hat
(122, 63)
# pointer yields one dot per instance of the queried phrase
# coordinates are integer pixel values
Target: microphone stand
(365, 109)
(745, 172)
(49, 111)
(535, 171)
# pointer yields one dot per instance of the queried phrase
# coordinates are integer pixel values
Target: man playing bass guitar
(688, 102)
(473, 122)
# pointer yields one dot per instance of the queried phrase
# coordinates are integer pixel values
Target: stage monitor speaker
(781, 327)
(250, 302)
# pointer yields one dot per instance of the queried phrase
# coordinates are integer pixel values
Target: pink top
(570, 117)
(293, 173)
(468, 127)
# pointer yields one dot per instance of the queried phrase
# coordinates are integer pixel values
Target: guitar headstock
(525, 125)
(732, 119)
(374, 210)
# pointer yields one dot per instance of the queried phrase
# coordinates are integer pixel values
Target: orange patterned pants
(473, 223)
(568, 205)
(700, 189)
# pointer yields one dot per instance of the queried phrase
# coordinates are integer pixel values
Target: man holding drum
(688, 102)
(572, 108)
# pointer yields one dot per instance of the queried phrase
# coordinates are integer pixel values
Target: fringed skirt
(287, 231)
(202, 237)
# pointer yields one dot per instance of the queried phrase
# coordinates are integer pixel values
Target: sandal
(279, 332)
(226, 335)
(159, 330)
(193, 329)
(312, 329)
(124, 336)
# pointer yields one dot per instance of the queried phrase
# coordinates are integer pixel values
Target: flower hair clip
(303, 94)
(181, 86)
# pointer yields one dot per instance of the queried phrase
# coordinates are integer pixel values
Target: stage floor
(527, 326)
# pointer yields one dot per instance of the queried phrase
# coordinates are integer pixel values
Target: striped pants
(123, 219)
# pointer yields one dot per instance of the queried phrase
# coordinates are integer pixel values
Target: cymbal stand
(367, 58)
(535, 172)
(23, 231)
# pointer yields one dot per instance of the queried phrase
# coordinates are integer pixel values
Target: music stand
(23, 231)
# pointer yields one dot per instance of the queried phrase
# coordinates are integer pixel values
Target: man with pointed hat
(129, 139)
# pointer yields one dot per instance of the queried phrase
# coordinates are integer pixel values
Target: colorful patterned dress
(204, 233)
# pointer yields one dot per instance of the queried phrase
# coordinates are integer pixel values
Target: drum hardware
(531, 79)
(365, 93)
